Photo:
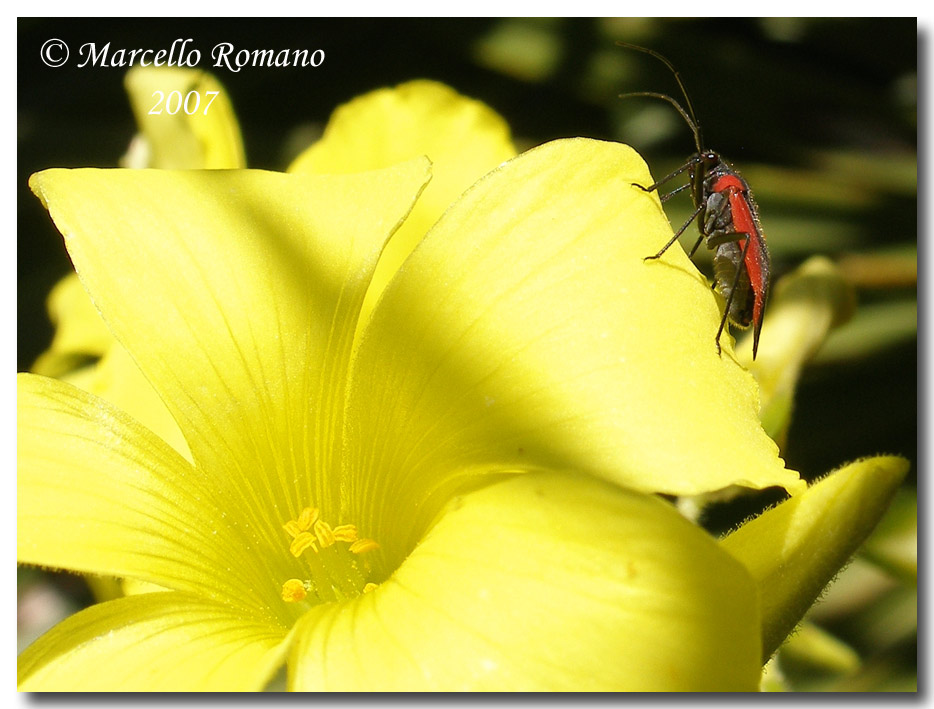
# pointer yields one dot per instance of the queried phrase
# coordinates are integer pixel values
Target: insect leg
(714, 240)
(669, 195)
(677, 234)
(670, 176)
(664, 197)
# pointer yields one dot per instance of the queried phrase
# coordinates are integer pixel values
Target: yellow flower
(452, 492)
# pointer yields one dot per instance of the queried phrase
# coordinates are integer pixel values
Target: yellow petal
(80, 333)
(237, 293)
(463, 138)
(98, 493)
(796, 548)
(544, 582)
(527, 331)
(169, 642)
(186, 119)
(119, 380)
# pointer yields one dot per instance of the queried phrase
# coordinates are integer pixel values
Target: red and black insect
(727, 219)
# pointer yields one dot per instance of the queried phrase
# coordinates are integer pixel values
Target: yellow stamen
(305, 540)
(362, 546)
(345, 533)
(324, 533)
(308, 517)
(293, 591)
(292, 528)
(335, 574)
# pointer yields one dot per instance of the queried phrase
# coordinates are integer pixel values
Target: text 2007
(175, 102)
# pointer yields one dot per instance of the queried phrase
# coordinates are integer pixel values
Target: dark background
(820, 115)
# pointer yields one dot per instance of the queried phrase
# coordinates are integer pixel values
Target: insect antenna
(689, 116)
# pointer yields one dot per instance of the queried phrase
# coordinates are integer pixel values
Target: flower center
(337, 569)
